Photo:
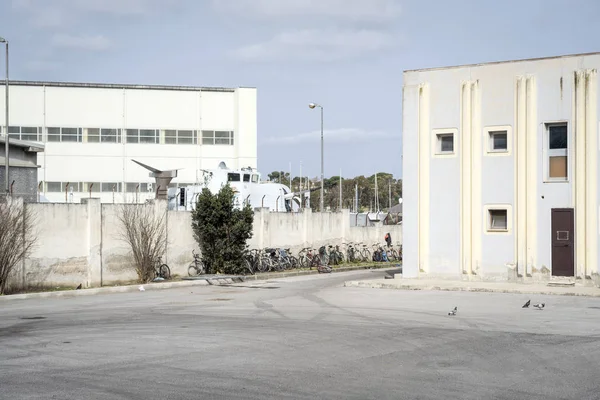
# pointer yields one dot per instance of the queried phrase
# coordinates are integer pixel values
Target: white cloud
(352, 10)
(317, 45)
(58, 13)
(342, 135)
(83, 42)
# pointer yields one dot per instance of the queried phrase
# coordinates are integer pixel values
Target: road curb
(274, 275)
(524, 290)
(212, 281)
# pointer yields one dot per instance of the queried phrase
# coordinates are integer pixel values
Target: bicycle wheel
(247, 267)
(164, 271)
(315, 261)
(366, 255)
(294, 262)
(263, 264)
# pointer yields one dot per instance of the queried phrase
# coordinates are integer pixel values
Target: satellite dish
(400, 200)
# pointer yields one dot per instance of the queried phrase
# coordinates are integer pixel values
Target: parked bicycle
(197, 266)
(161, 270)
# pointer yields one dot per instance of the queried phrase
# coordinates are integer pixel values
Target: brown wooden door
(563, 242)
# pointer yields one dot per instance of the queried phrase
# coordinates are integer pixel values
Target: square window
(445, 143)
(498, 141)
(498, 220)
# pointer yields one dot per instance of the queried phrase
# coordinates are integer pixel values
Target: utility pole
(341, 183)
(356, 198)
(390, 192)
(376, 195)
(300, 188)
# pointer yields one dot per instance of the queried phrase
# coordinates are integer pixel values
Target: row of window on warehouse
(108, 135)
(102, 187)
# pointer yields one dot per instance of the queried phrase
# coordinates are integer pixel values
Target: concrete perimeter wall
(80, 243)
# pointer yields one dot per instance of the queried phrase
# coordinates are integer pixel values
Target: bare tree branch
(144, 230)
(18, 236)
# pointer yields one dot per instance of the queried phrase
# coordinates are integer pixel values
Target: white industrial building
(500, 170)
(91, 132)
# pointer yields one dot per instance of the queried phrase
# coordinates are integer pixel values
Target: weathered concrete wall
(60, 256)
(81, 243)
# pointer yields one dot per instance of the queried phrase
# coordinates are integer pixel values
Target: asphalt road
(299, 338)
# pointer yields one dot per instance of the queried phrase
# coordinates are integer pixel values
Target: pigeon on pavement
(526, 305)
(453, 312)
(539, 306)
(78, 287)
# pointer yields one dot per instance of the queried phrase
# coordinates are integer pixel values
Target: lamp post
(312, 106)
(2, 40)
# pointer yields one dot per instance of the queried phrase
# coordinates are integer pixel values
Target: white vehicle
(248, 187)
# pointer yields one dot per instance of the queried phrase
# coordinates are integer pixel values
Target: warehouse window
(108, 186)
(95, 186)
(171, 137)
(187, 137)
(110, 135)
(217, 138)
(148, 136)
(133, 136)
(558, 140)
(53, 134)
(70, 135)
(445, 143)
(73, 135)
(53, 187)
(31, 133)
(92, 135)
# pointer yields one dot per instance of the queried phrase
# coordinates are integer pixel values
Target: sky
(347, 55)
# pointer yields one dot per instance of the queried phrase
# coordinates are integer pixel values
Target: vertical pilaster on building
(424, 145)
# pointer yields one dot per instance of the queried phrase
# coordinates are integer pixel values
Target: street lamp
(312, 106)
(2, 40)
